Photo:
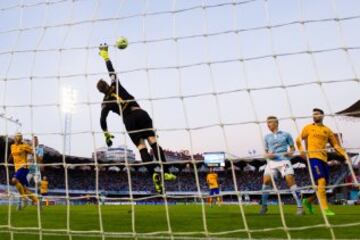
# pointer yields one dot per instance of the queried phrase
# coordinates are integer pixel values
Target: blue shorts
(21, 174)
(320, 169)
(214, 191)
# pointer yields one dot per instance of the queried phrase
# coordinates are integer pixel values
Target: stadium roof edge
(352, 111)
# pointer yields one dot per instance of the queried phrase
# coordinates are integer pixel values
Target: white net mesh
(208, 73)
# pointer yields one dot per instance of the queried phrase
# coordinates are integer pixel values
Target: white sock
(296, 195)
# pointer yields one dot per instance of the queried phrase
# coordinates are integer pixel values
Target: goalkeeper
(137, 122)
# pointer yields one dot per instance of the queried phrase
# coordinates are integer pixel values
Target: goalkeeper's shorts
(138, 120)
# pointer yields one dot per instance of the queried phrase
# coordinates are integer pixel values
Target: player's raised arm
(104, 53)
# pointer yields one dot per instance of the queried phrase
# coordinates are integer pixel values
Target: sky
(207, 76)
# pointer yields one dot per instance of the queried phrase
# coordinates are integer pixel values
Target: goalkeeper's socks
(296, 195)
(145, 157)
(159, 152)
(265, 195)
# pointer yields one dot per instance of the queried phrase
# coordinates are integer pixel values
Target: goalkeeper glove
(108, 137)
(104, 51)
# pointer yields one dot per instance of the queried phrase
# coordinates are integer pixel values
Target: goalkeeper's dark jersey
(118, 100)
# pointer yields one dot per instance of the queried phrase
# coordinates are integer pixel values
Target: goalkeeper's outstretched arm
(103, 123)
(111, 70)
(104, 53)
(103, 117)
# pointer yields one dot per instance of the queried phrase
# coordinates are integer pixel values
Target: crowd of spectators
(78, 179)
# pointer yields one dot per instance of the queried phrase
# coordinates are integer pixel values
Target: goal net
(208, 73)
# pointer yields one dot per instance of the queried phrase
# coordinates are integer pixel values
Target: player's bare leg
(210, 201)
(219, 201)
(20, 188)
(32, 196)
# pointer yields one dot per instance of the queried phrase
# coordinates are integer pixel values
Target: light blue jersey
(39, 151)
(34, 169)
(278, 143)
(33, 166)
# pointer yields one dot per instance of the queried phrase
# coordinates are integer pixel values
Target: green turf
(183, 219)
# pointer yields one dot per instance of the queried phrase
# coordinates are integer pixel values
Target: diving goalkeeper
(137, 122)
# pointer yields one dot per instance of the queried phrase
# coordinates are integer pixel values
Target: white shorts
(36, 176)
(283, 167)
(34, 173)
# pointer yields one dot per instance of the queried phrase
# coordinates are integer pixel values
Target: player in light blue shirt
(278, 144)
(279, 148)
(33, 162)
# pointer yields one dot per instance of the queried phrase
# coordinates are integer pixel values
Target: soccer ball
(121, 43)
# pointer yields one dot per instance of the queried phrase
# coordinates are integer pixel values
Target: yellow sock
(218, 200)
(322, 193)
(21, 190)
(31, 196)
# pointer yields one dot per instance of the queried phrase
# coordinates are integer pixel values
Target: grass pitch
(186, 222)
